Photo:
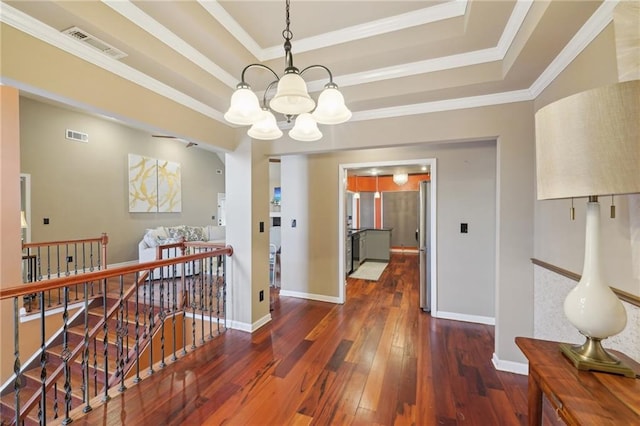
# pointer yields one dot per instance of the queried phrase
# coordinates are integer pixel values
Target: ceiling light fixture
(400, 178)
(291, 99)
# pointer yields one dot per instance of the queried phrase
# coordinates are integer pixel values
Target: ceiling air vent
(96, 43)
(77, 136)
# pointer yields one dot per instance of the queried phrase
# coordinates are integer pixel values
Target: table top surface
(587, 397)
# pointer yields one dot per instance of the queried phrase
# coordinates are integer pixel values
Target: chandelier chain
(287, 34)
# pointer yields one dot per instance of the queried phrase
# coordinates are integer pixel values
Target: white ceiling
(388, 57)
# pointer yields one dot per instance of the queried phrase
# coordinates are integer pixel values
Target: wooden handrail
(103, 239)
(54, 283)
(623, 295)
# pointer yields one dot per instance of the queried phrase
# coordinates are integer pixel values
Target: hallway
(375, 360)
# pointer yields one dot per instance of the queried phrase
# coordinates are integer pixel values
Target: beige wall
(510, 125)
(559, 240)
(466, 192)
(73, 79)
(83, 187)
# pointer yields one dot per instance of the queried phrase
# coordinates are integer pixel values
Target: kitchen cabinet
(368, 244)
(348, 255)
(378, 244)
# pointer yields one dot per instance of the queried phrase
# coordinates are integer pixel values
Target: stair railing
(55, 259)
(134, 310)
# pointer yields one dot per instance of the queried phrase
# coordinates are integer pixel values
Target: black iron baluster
(43, 367)
(137, 328)
(162, 316)
(201, 280)
(194, 304)
(121, 332)
(17, 383)
(151, 323)
(66, 356)
(174, 311)
(95, 366)
(91, 256)
(210, 281)
(85, 353)
(55, 400)
(105, 342)
(144, 304)
(224, 292)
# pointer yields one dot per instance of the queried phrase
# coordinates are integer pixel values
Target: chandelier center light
(291, 99)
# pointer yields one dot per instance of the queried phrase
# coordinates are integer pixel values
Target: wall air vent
(96, 43)
(77, 136)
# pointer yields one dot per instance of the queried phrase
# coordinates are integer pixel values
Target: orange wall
(385, 183)
(10, 243)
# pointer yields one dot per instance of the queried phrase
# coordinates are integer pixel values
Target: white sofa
(164, 235)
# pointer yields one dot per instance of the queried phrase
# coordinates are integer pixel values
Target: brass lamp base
(592, 356)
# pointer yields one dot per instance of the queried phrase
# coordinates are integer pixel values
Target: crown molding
(415, 18)
(134, 14)
(594, 26)
(513, 25)
(49, 35)
(220, 14)
(600, 19)
(444, 105)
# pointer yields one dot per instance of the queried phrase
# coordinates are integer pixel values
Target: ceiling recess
(104, 47)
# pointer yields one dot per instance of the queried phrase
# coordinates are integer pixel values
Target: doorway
(343, 218)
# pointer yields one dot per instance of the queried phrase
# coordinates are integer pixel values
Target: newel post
(104, 240)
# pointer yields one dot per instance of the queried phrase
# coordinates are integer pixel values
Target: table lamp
(588, 145)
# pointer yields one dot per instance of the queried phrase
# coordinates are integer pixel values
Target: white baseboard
(249, 328)
(510, 366)
(310, 296)
(464, 317)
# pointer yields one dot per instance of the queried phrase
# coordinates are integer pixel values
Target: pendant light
(377, 194)
(291, 99)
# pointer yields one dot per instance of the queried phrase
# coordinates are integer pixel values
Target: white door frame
(342, 231)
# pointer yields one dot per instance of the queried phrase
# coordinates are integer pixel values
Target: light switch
(464, 228)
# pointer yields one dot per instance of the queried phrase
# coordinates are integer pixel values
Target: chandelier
(291, 99)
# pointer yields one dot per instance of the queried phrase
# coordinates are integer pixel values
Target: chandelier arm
(331, 83)
(264, 95)
(242, 80)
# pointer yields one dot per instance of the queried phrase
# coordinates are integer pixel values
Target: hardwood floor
(376, 360)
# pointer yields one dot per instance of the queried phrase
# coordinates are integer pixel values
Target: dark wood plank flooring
(376, 360)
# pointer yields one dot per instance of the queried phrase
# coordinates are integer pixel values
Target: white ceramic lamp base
(593, 308)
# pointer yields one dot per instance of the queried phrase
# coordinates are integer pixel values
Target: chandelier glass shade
(291, 99)
(266, 127)
(305, 129)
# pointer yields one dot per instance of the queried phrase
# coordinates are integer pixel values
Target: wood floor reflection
(376, 360)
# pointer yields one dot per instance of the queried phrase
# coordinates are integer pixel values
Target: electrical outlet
(45, 221)
(69, 259)
(261, 295)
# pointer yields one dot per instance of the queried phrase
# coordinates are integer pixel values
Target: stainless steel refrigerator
(424, 239)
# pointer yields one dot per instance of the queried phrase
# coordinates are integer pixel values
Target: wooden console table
(579, 397)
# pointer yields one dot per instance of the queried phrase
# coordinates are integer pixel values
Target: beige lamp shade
(23, 220)
(589, 143)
